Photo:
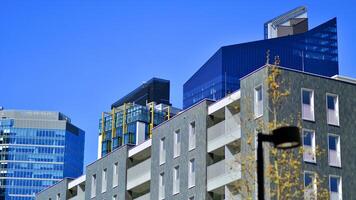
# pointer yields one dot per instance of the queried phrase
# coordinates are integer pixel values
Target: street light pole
(283, 138)
(260, 168)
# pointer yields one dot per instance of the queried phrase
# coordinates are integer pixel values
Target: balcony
(223, 173)
(139, 174)
(143, 197)
(224, 133)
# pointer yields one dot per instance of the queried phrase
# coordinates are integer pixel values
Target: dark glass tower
(314, 51)
(37, 149)
(133, 117)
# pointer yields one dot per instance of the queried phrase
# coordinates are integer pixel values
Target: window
(162, 152)
(310, 188)
(258, 102)
(192, 136)
(191, 174)
(308, 104)
(332, 102)
(176, 180)
(104, 179)
(115, 178)
(161, 186)
(93, 186)
(334, 150)
(58, 196)
(335, 188)
(114, 197)
(309, 146)
(177, 139)
(191, 198)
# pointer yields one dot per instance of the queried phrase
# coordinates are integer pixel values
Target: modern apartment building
(37, 149)
(133, 117)
(198, 153)
(313, 51)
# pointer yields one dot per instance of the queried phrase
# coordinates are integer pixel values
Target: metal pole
(260, 168)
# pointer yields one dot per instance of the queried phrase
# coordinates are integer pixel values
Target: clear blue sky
(78, 57)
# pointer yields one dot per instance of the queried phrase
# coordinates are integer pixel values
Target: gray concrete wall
(249, 128)
(290, 112)
(347, 130)
(52, 192)
(120, 156)
(197, 114)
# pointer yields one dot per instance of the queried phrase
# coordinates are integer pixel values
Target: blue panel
(314, 51)
(37, 158)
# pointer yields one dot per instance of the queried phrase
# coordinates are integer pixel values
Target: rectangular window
(177, 142)
(104, 179)
(115, 178)
(310, 188)
(161, 186)
(308, 104)
(332, 102)
(58, 196)
(93, 186)
(334, 150)
(258, 102)
(309, 146)
(335, 188)
(176, 180)
(191, 174)
(162, 152)
(114, 197)
(192, 136)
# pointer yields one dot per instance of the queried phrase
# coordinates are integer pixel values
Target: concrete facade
(222, 142)
(196, 114)
(290, 111)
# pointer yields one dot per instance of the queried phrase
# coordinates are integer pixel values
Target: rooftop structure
(290, 23)
(133, 117)
(314, 51)
(154, 90)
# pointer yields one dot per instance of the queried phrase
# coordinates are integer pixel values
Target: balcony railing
(143, 197)
(222, 173)
(139, 174)
(224, 133)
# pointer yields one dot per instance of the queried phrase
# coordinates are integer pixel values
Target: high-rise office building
(199, 153)
(133, 117)
(314, 51)
(37, 149)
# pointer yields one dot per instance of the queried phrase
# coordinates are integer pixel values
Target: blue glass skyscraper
(314, 51)
(37, 149)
